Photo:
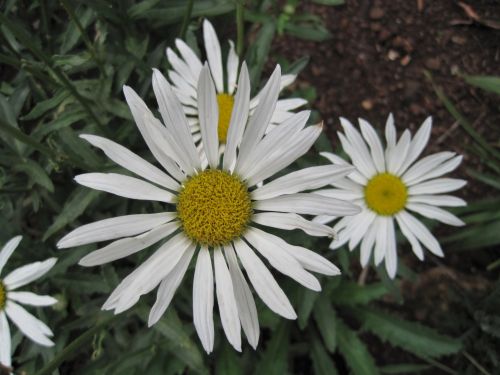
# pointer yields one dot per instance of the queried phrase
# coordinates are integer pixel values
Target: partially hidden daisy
(10, 298)
(215, 214)
(185, 72)
(391, 186)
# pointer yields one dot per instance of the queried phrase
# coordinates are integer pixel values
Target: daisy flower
(214, 213)
(390, 185)
(10, 299)
(186, 68)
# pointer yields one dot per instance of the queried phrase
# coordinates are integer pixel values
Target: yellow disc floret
(225, 103)
(386, 194)
(214, 207)
(3, 295)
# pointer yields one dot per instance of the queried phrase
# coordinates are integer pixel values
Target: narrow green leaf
(322, 363)
(330, 2)
(274, 361)
(36, 173)
(257, 53)
(350, 293)
(42, 107)
(74, 206)
(488, 83)
(307, 300)
(359, 360)
(410, 336)
(326, 319)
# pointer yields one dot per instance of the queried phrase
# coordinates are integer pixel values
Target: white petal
(397, 156)
(273, 249)
(5, 348)
(28, 273)
(260, 118)
(438, 200)
(435, 213)
(290, 221)
(304, 179)
(226, 300)
(203, 300)
(283, 157)
(181, 67)
(421, 232)
(208, 114)
(263, 281)
(367, 243)
(182, 85)
(364, 221)
(312, 261)
(343, 229)
(381, 239)
(214, 56)
(139, 111)
(8, 249)
(190, 57)
(418, 143)
(437, 186)
(239, 117)
(169, 285)
(323, 219)
(335, 159)
(290, 104)
(174, 118)
(307, 203)
(274, 143)
(415, 245)
(440, 170)
(345, 195)
(390, 132)
(116, 227)
(232, 68)
(244, 299)
(148, 275)
(391, 256)
(425, 165)
(128, 246)
(33, 328)
(357, 149)
(134, 163)
(125, 186)
(376, 150)
(28, 298)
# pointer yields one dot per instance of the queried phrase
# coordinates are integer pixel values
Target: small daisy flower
(10, 299)
(186, 68)
(390, 185)
(214, 213)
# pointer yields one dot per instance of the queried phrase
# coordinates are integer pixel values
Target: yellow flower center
(214, 207)
(3, 295)
(225, 103)
(385, 194)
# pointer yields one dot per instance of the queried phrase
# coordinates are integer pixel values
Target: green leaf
(274, 361)
(307, 300)
(488, 83)
(326, 318)
(74, 206)
(329, 2)
(36, 173)
(42, 107)
(410, 336)
(350, 293)
(354, 351)
(227, 361)
(257, 53)
(322, 363)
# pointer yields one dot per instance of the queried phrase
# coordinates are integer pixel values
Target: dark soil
(373, 65)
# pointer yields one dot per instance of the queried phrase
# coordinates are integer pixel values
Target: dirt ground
(374, 64)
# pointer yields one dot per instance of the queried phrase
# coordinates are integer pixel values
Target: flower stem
(240, 8)
(72, 349)
(187, 17)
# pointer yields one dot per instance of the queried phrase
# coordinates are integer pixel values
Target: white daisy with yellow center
(214, 211)
(10, 298)
(388, 185)
(185, 72)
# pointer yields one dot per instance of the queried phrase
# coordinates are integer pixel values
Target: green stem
(72, 349)
(476, 363)
(85, 38)
(187, 17)
(240, 25)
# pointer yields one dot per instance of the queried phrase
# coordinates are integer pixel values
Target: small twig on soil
(472, 14)
(363, 275)
(447, 133)
(475, 363)
(420, 5)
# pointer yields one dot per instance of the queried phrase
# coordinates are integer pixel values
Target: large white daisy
(185, 72)
(213, 212)
(10, 299)
(390, 184)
